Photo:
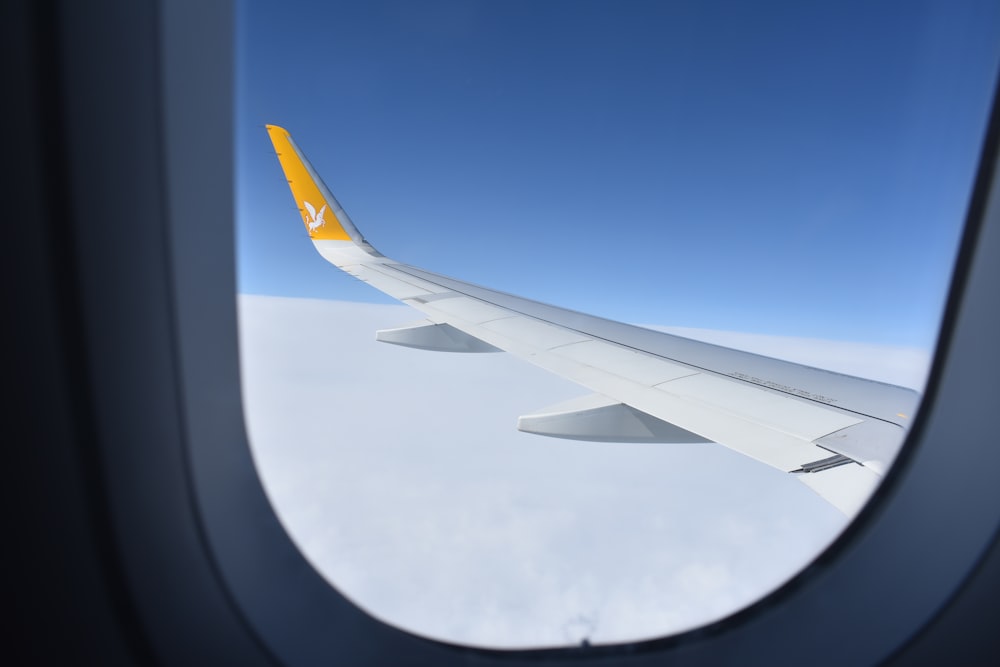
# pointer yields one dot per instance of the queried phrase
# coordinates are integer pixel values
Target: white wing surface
(836, 433)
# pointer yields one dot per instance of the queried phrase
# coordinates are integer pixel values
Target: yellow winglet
(318, 214)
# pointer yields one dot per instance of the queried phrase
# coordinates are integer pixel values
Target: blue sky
(780, 167)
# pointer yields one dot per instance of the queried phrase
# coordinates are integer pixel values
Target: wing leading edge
(836, 433)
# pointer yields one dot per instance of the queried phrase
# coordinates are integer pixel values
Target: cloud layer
(400, 475)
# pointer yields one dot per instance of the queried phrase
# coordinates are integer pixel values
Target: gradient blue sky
(777, 167)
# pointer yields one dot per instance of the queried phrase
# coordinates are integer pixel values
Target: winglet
(323, 216)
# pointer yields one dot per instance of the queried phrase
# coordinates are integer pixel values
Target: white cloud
(401, 476)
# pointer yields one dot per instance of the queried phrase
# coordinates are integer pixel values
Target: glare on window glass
(779, 177)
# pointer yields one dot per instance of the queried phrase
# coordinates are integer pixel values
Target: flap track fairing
(426, 335)
(597, 418)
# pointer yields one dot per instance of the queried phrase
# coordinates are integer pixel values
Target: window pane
(787, 178)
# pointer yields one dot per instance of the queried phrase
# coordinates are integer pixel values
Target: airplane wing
(836, 433)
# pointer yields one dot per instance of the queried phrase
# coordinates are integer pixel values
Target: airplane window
(783, 178)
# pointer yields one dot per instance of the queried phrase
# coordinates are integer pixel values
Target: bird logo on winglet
(314, 220)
